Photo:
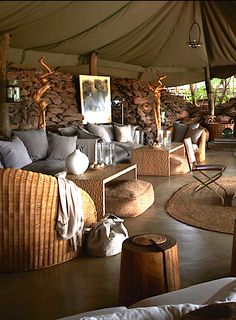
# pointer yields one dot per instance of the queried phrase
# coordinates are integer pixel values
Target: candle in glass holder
(163, 116)
(160, 137)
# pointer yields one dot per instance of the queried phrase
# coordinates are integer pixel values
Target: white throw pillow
(123, 133)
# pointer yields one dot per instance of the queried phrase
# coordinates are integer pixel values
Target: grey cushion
(180, 130)
(1, 166)
(13, 154)
(68, 131)
(48, 166)
(110, 130)
(194, 134)
(128, 146)
(123, 133)
(99, 131)
(84, 134)
(35, 141)
(121, 154)
(60, 146)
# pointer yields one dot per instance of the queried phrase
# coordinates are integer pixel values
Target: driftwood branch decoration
(37, 97)
(157, 106)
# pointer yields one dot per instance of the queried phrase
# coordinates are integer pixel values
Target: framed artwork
(95, 99)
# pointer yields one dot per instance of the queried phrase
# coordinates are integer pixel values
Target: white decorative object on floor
(77, 162)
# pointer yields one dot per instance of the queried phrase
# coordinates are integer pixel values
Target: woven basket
(28, 213)
(216, 129)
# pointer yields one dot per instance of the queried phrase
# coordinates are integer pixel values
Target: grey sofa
(125, 138)
(36, 150)
(41, 151)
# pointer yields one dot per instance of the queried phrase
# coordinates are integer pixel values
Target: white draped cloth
(70, 219)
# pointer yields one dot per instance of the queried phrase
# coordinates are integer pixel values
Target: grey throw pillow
(69, 131)
(84, 134)
(180, 130)
(13, 154)
(123, 133)
(194, 134)
(60, 146)
(35, 141)
(110, 130)
(98, 131)
(1, 166)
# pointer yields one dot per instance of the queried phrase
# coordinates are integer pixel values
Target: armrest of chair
(89, 147)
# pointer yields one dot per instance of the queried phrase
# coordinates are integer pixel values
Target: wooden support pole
(93, 64)
(192, 89)
(4, 112)
(209, 92)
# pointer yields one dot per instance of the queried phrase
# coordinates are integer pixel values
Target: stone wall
(63, 104)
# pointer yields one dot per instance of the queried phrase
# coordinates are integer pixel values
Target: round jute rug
(203, 209)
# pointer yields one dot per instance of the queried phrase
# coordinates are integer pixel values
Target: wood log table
(93, 181)
(155, 161)
(149, 266)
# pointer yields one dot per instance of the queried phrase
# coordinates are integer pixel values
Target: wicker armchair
(28, 212)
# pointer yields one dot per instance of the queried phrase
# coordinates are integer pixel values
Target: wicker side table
(155, 161)
(149, 266)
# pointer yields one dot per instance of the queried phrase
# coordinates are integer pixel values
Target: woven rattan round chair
(28, 213)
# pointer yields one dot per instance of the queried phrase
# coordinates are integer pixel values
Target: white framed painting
(95, 99)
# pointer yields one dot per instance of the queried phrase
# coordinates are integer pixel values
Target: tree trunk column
(209, 92)
(4, 112)
(149, 266)
(93, 64)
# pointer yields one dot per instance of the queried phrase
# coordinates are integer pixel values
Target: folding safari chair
(199, 172)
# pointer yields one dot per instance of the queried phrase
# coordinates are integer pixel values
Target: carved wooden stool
(149, 266)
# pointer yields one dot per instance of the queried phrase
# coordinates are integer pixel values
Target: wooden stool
(149, 266)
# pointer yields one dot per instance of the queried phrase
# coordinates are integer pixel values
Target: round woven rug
(203, 209)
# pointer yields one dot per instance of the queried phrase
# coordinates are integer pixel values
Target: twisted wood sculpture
(37, 97)
(157, 106)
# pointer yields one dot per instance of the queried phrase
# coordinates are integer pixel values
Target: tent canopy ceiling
(136, 39)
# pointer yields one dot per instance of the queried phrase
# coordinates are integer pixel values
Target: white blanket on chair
(70, 219)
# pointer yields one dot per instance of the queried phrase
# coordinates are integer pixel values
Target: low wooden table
(155, 161)
(93, 181)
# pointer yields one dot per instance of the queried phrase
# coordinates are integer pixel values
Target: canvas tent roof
(135, 39)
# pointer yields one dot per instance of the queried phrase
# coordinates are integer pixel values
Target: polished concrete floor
(89, 283)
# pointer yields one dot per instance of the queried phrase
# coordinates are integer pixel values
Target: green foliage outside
(223, 90)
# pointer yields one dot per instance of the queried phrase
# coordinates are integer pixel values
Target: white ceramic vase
(77, 162)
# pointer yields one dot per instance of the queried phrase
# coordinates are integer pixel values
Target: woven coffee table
(94, 181)
(155, 161)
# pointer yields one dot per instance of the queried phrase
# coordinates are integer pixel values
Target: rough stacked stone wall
(63, 105)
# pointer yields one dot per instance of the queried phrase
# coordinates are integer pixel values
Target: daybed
(28, 215)
(169, 306)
